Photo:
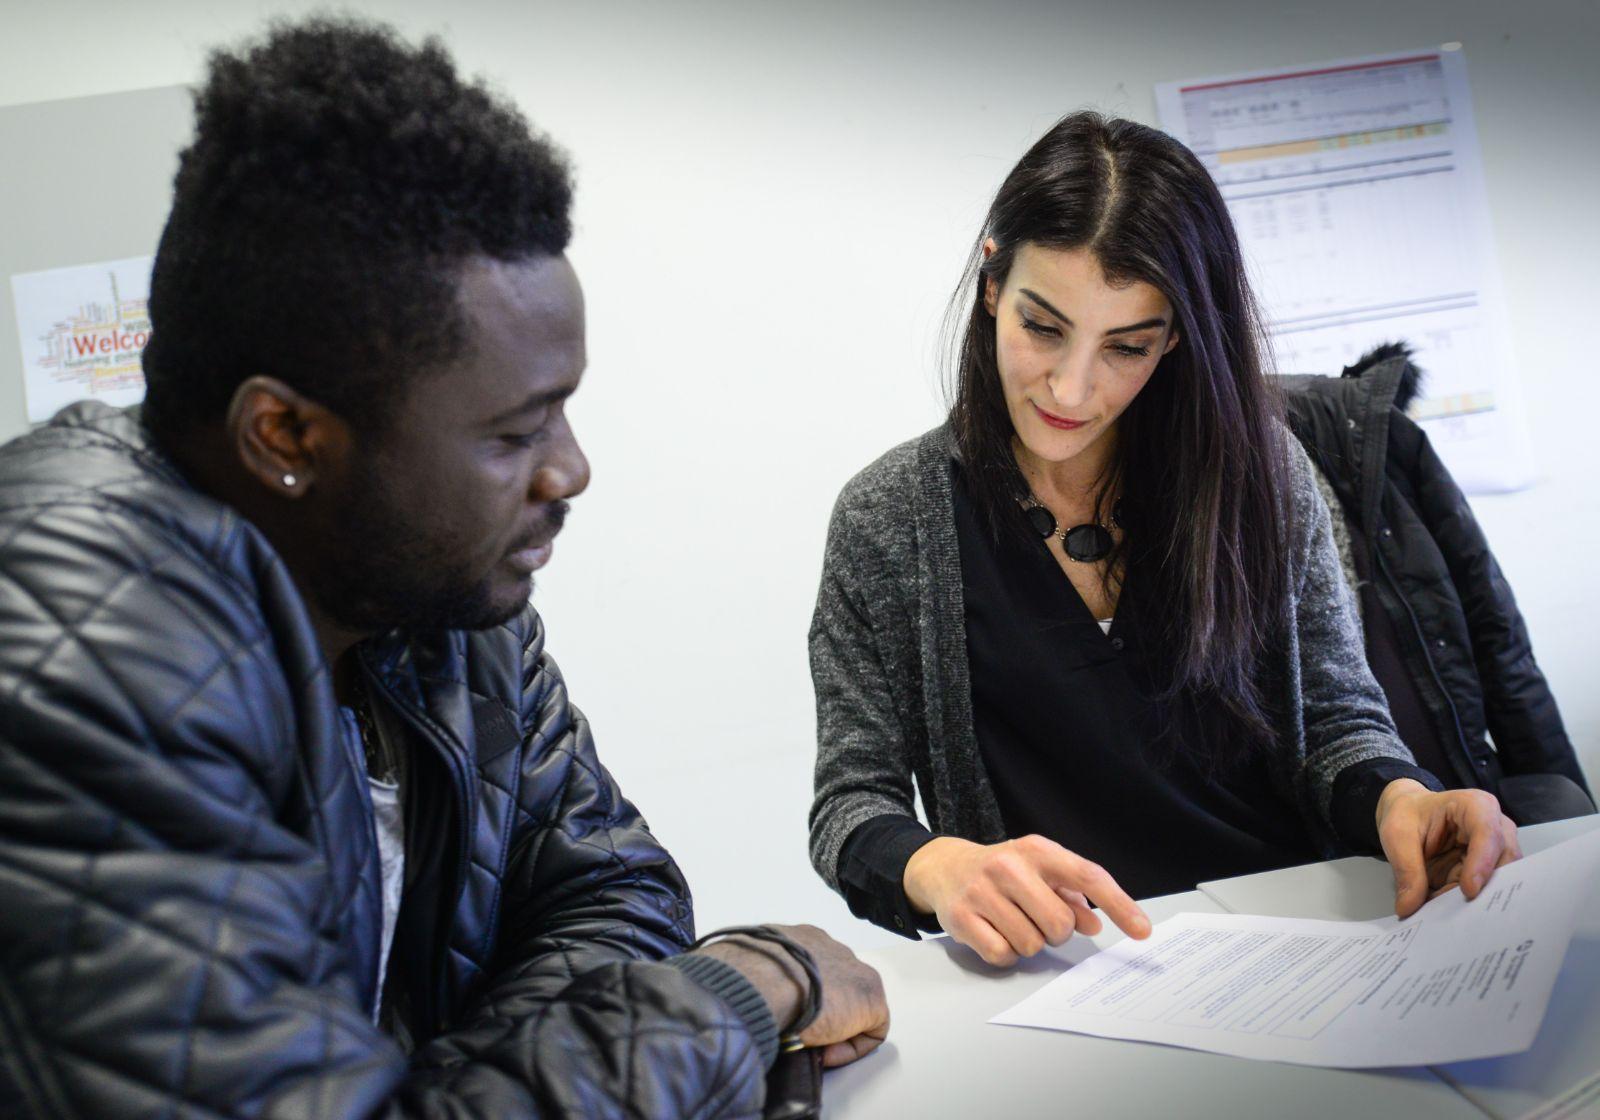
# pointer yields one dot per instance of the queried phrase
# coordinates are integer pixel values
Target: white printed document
(1357, 190)
(1455, 981)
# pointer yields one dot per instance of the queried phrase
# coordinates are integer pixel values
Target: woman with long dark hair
(1096, 619)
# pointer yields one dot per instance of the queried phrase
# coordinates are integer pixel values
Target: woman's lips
(1058, 421)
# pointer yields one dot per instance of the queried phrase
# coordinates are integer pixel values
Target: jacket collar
(1348, 422)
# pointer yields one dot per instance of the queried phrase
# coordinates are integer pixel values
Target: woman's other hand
(1435, 841)
(1010, 900)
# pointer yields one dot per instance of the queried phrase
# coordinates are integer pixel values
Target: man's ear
(283, 438)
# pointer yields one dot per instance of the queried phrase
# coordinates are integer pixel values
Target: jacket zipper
(1379, 401)
(463, 835)
(1427, 658)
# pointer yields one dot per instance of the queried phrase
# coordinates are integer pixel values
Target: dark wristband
(812, 1006)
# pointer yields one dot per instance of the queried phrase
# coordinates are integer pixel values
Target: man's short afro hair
(337, 181)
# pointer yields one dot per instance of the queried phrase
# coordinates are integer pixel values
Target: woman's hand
(1010, 900)
(1435, 841)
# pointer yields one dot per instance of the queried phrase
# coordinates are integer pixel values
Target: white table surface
(944, 1059)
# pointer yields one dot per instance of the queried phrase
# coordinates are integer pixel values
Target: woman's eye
(1126, 351)
(525, 439)
(1033, 326)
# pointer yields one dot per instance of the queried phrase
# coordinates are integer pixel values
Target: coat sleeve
(579, 1007)
(1519, 709)
(864, 767)
(165, 947)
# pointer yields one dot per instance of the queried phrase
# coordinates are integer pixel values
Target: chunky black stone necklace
(1085, 543)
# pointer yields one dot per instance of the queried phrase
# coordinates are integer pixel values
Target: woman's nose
(1071, 382)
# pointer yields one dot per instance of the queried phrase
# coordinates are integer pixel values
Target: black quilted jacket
(1464, 643)
(189, 898)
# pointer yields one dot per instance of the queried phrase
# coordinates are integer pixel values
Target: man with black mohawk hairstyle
(296, 819)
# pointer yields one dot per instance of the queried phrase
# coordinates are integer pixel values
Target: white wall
(774, 201)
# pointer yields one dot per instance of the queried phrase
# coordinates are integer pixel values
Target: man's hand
(1436, 841)
(854, 1018)
(1010, 900)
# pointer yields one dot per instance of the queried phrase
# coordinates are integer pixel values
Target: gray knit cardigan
(894, 698)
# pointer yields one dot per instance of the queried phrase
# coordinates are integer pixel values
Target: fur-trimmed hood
(1409, 384)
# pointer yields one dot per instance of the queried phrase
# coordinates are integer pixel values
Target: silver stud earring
(289, 481)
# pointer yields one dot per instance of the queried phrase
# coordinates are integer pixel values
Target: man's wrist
(769, 971)
(731, 986)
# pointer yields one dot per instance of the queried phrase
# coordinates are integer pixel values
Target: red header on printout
(1312, 73)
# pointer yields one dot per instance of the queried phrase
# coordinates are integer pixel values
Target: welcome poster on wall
(82, 331)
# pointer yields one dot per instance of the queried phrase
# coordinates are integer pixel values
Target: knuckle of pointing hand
(1033, 845)
(1002, 872)
(1097, 881)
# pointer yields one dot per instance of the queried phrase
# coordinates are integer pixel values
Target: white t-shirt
(389, 825)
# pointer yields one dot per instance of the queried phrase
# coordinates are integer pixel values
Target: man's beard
(386, 576)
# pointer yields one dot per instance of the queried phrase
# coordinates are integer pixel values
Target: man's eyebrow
(533, 403)
(1143, 324)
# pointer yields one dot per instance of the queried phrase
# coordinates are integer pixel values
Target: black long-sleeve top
(1071, 736)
